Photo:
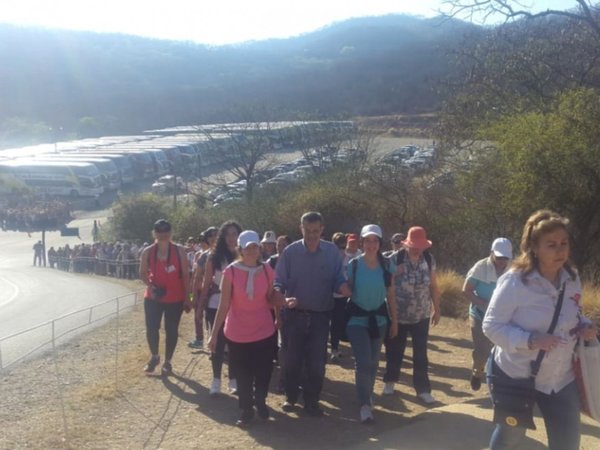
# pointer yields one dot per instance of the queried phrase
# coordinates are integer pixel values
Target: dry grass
(453, 301)
(591, 302)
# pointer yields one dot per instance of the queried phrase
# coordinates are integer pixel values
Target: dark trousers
(306, 341)
(338, 321)
(394, 354)
(218, 356)
(198, 322)
(253, 362)
(154, 311)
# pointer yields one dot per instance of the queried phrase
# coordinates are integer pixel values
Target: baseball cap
(372, 229)
(247, 238)
(269, 236)
(502, 248)
(162, 226)
(397, 237)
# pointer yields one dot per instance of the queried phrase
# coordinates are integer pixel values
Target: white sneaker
(233, 386)
(427, 397)
(366, 414)
(388, 389)
(215, 387)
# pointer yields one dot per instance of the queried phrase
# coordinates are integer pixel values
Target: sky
(214, 22)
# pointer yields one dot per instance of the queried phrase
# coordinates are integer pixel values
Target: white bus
(123, 163)
(111, 178)
(72, 179)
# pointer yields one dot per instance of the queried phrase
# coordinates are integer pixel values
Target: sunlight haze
(222, 22)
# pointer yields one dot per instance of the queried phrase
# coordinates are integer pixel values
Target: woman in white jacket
(517, 321)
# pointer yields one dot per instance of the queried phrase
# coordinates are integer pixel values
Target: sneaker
(288, 406)
(388, 389)
(245, 418)
(167, 369)
(233, 386)
(366, 414)
(151, 364)
(215, 387)
(427, 398)
(196, 343)
(263, 411)
(475, 382)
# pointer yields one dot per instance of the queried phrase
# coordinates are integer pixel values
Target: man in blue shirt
(308, 272)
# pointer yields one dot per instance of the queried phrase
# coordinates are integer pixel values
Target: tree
(546, 160)
(243, 150)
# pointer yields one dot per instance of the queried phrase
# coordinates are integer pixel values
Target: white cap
(269, 236)
(371, 229)
(248, 237)
(502, 248)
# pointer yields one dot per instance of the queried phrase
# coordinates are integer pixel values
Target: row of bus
(81, 173)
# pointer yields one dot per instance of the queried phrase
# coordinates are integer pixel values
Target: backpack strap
(401, 257)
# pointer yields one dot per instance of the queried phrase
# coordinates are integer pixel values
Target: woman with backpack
(418, 305)
(370, 277)
(245, 309)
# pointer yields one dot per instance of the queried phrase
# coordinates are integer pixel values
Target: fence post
(59, 384)
(1, 364)
(117, 346)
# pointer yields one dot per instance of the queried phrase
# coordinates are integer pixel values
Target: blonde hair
(539, 223)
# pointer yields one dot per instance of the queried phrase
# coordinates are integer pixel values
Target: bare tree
(584, 11)
(241, 152)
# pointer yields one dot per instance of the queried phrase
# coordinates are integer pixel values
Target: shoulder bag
(514, 398)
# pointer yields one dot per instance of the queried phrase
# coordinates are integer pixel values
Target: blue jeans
(366, 356)
(560, 411)
(394, 354)
(306, 348)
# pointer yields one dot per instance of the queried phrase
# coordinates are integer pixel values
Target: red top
(166, 274)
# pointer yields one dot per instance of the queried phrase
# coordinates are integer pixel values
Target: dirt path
(124, 409)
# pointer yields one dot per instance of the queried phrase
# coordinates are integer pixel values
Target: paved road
(33, 295)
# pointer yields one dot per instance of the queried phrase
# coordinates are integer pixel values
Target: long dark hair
(222, 252)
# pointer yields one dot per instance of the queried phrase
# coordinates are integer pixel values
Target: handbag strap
(536, 364)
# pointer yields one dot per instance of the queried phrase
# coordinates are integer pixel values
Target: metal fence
(47, 336)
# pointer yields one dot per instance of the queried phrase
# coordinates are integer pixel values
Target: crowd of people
(269, 300)
(34, 215)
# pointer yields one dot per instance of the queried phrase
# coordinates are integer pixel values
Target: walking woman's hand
(393, 329)
(212, 343)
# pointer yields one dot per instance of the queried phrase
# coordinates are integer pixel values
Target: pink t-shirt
(249, 320)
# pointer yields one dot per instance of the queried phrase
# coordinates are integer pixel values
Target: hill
(89, 84)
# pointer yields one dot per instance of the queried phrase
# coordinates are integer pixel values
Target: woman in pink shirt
(245, 307)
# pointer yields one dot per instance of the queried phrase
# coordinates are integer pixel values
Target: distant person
(163, 269)
(268, 245)
(245, 310)
(371, 307)
(308, 272)
(396, 242)
(338, 313)
(38, 253)
(418, 306)
(95, 231)
(207, 241)
(52, 257)
(282, 242)
(224, 254)
(518, 319)
(352, 245)
(478, 288)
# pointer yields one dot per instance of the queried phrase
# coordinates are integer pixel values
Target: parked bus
(72, 179)
(111, 179)
(123, 162)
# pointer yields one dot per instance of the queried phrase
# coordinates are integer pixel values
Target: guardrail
(48, 335)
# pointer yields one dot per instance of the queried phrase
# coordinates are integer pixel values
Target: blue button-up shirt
(518, 309)
(311, 277)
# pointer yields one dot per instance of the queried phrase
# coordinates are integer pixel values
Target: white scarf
(251, 272)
